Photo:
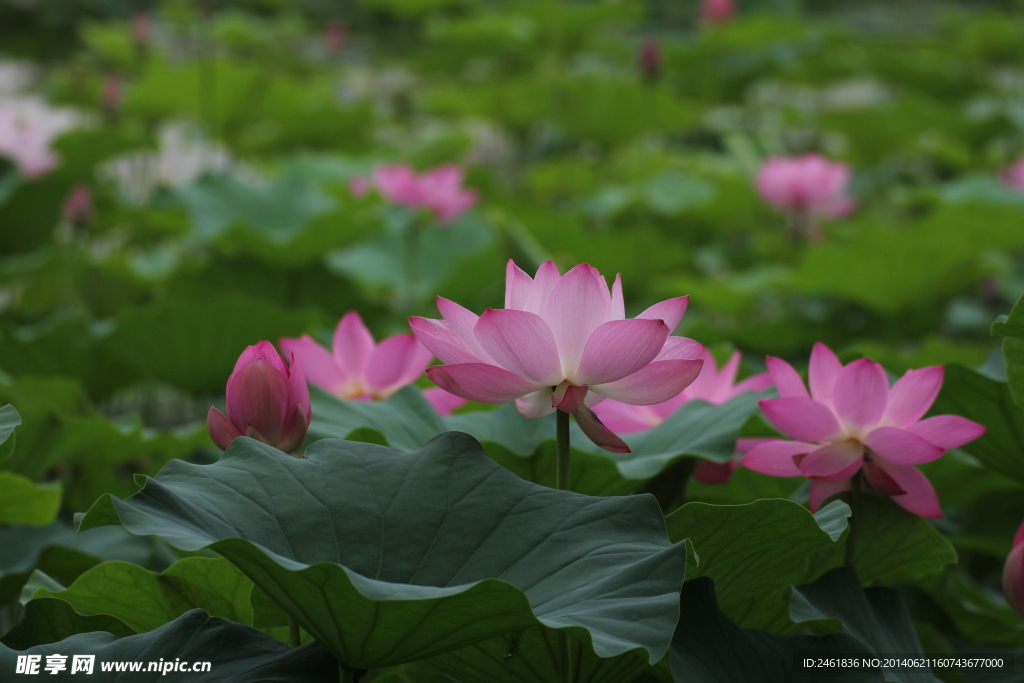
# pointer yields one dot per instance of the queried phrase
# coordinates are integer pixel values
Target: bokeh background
(190, 193)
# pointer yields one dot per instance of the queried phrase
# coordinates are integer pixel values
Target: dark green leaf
(387, 557)
(23, 502)
(708, 648)
(49, 620)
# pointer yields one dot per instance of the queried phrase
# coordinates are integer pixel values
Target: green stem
(562, 468)
(293, 632)
(563, 483)
(345, 674)
(854, 508)
(412, 263)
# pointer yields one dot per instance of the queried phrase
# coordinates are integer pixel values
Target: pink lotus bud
(717, 11)
(808, 185)
(266, 400)
(1013, 574)
(650, 59)
(77, 209)
(142, 31)
(1013, 175)
(111, 95)
(853, 424)
(336, 36)
(562, 342)
(358, 368)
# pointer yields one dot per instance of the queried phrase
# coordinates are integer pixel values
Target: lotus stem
(562, 468)
(294, 636)
(412, 263)
(854, 509)
(345, 674)
(563, 483)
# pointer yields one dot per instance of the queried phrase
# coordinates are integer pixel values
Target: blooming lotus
(808, 186)
(650, 59)
(562, 342)
(358, 368)
(853, 424)
(28, 128)
(1013, 175)
(713, 386)
(1013, 574)
(439, 191)
(717, 11)
(266, 400)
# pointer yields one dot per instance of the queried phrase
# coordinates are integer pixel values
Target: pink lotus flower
(141, 30)
(854, 424)
(439, 190)
(358, 368)
(561, 342)
(28, 128)
(650, 59)
(717, 11)
(1013, 574)
(1013, 175)
(808, 185)
(712, 385)
(336, 36)
(112, 95)
(266, 400)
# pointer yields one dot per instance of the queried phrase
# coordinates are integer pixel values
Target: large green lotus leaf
(1011, 329)
(146, 600)
(892, 545)
(24, 502)
(237, 654)
(64, 555)
(708, 648)
(876, 617)
(407, 421)
(9, 420)
(754, 552)
(530, 656)
(49, 620)
(986, 401)
(386, 557)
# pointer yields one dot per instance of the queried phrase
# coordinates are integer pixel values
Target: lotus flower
(852, 423)
(561, 342)
(28, 129)
(266, 400)
(717, 11)
(713, 386)
(650, 59)
(1013, 574)
(358, 368)
(439, 191)
(808, 185)
(1013, 175)
(78, 208)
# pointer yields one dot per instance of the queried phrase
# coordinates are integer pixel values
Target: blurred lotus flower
(77, 209)
(111, 96)
(357, 368)
(336, 36)
(712, 385)
(853, 424)
(28, 128)
(142, 31)
(717, 11)
(806, 187)
(266, 400)
(650, 59)
(1013, 175)
(1013, 574)
(561, 342)
(439, 190)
